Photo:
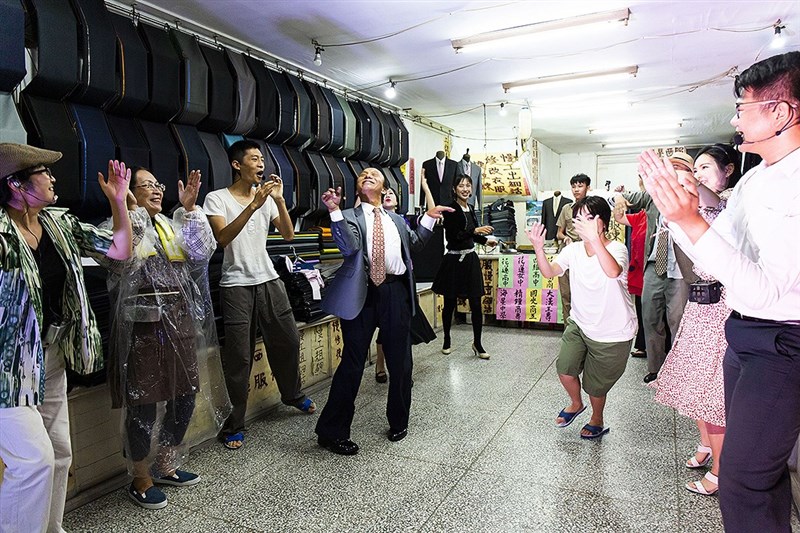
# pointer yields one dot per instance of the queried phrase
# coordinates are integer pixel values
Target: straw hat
(683, 159)
(15, 157)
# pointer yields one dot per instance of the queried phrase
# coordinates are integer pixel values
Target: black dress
(460, 276)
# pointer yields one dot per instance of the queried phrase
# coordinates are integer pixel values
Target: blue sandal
(594, 431)
(228, 441)
(568, 417)
(308, 406)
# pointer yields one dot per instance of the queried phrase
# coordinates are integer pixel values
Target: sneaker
(152, 498)
(179, 479)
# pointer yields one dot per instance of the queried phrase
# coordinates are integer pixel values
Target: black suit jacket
(549, 219)
(442, 192)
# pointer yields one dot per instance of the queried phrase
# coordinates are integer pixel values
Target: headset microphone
(738, 139)
(25, 190)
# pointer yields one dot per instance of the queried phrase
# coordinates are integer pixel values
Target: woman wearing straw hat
(46, 325)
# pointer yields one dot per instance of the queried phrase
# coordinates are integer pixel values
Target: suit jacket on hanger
(548, 218)
(442, 191)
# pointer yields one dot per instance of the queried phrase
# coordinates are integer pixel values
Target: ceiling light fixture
(643, 143)
(572, 76)
(317, 53)
(502, 111)
(778, 40)
(391, 92)
(644, 126)
(617, 15)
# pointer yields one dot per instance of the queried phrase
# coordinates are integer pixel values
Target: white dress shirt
(753, 246)
(391, 236)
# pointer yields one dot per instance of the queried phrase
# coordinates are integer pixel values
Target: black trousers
(140, 419)
(389, 308)
(762, 407)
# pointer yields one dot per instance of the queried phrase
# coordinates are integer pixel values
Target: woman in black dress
(459, 275)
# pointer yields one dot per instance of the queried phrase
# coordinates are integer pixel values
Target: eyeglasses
(754, 102)
(152, 186)
(45, 170)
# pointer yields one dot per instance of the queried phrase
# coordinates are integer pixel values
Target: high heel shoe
(692, 462)
(482, 355)
(698, 488)
(446, 347)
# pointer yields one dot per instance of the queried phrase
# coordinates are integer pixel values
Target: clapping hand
(676, 199)
(438, 210)
(587, 227)
(536, 235)
(277, 187)
(483, 230)
(117, 187)
(188, 194)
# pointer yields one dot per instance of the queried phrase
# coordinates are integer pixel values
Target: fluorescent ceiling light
(625, 128)
(642, 143)
(621, 15)
(572, 76)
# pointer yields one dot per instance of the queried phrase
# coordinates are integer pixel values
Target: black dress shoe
(395, 436)
(650, 377)
(340, 446)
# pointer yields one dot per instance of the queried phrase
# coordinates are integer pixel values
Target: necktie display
(661, 251)
(377, 270)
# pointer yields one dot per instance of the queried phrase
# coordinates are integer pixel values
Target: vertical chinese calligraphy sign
(523, 294)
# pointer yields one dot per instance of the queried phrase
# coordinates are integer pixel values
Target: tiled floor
(482, 454)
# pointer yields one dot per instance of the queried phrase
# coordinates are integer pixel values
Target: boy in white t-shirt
(250, 289)
(602, 324)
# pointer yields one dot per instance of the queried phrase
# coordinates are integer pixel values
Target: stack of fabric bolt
(500, 215)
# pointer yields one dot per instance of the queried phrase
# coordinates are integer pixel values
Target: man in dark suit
(374, 287)
(439, 171)
(551, 209)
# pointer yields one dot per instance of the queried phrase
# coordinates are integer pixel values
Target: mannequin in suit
(365, 296)
(551, 208)
(441, 184)
(466, 167)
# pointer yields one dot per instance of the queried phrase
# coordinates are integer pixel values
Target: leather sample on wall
(376, 131)
(96, 39)
(57, 67)
(131, 69)
(266, 100)
(97, 147)
(320, 118)
(302, 116)
(221, 172)
(337, 121)
(164, 75)
(390, 181)
(302, 181)
(50, 126)
(285, 170)
(287, 127)
(349, 189)
(193, 79)
(402, 155)
(131, 146)
(228, 139)
(367, 133)
(338, 177)
(321, 181)
(11, 128)
(221, 100)
(245, 85)
(193, 156)
(163, 157)
(12, 45)
(402, 193)
(350, 145)
(386, 137)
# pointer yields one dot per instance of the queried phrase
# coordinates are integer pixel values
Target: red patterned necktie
(377, 270)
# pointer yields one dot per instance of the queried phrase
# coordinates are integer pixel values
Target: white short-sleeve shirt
(246, 261)
(601, 306)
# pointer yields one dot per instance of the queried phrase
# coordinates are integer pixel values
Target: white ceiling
(683, 49)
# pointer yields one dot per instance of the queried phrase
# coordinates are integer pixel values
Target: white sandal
(694, 463)
(698, 487)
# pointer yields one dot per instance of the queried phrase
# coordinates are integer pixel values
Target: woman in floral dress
(691, 379)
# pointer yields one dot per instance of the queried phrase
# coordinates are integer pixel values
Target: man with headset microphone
(754, 250)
